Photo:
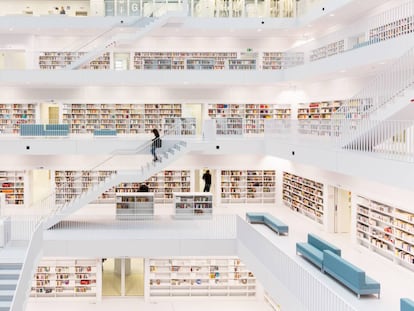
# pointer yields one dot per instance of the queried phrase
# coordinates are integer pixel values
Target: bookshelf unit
(314, 117)
(67, 278)
(124, 118)
(12, 185)
(59, 60)
(69, 184)
(304, 196)
(393, 29)
(242, 64)
(319, 110)
(13, 114)
(134, 205)
(387, 230)
(281, 60)
(199, 277)
(162, 185)
(248, 186)
(183, 60)
(193, 204)
(180, 126)
(229, 126)
(328, 50)
(251, 114)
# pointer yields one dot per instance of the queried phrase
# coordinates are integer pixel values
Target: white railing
(391, 139)
(30, 261)
(392, 23)
(229, 126)
(151, 226)
(393, 81)
(180, 126)
(302, 284)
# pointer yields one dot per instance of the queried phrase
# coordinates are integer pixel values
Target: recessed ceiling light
(331, 15)
(259, 29)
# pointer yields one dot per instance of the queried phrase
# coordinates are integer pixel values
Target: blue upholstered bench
(268, 220)
(104, 133)
(56, 130)
(349, 275)
(406, 304)
(32, 130)
(44, 130)
(313, 249)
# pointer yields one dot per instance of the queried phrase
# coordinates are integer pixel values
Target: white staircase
(388, 97)
(143, 173)
(9, 276)
(144, 25)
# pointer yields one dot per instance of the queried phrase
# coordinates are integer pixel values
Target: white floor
(396, 281)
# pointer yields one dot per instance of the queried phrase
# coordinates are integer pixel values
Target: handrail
(30, 261)
(392, 23)
(48, 204)
(396, 77)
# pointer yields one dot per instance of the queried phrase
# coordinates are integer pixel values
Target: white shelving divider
(134, 205)
(193, 204)
(180, 277)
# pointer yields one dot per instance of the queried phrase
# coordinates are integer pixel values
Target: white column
(97, 8)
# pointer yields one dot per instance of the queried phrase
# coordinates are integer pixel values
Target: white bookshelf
(304, 196)
(124, 118)
(281, 60)
(392, 29)
(12, 186)
(162, 185)
(327, 50)
(199, 277)
(134, 205)
(252, 115)
(180, 126)
(69, 184)
(12, 115)
(183, 60)
(193, 204)
(229, 126)
(59, 60)
(248, 186)
(67, 278)
(386, 230)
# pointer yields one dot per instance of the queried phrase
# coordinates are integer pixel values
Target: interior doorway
(123, 277)
(339, 210)
(121, 61)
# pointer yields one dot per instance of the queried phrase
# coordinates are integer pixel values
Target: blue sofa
(349, 275)
(406, 304)
(31, 129)
(313, 249)
(266, 219)
(44, 130)
(56, 130)
(104, 133)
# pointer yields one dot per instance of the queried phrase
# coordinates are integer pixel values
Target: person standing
(207, 181)
(143, 187)
(156, 142)
(62, 11)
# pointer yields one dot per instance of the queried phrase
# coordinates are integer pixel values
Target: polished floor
(396, 281)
